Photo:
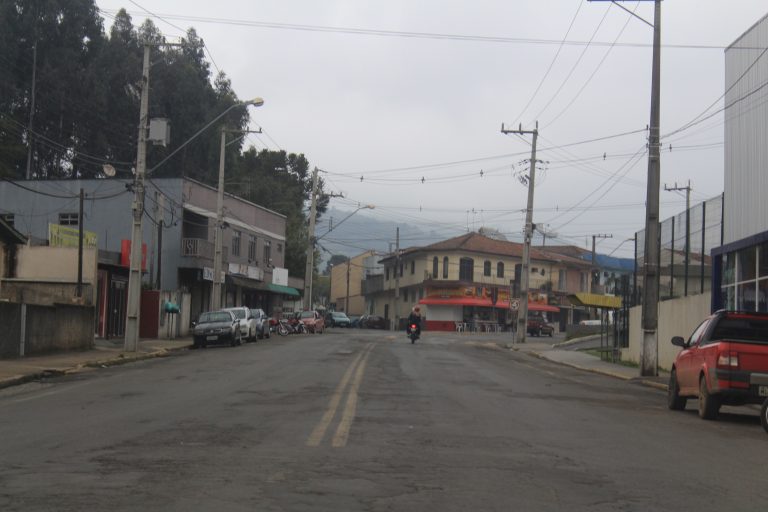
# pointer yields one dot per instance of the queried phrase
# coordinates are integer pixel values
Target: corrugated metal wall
(746, 134)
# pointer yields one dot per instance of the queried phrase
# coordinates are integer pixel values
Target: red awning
(484, 302)
(463, 301)
(532, 306)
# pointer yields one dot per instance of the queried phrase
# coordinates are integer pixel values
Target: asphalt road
(363, 420)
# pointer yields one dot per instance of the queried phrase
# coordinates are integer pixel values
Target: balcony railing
(200, 248)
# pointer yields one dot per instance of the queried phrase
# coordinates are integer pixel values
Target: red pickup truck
(724, 362)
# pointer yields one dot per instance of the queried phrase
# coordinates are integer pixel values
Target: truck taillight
(728, 359)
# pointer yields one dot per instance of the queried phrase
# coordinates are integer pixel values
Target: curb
(87, 365)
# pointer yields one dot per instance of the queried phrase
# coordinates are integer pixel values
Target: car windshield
(214, 316)
(239, 313)
(307, 314)
(339, 315)
(256, 313)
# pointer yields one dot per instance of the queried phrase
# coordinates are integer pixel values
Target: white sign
(280, 276)
(207, 274)
(514, 304)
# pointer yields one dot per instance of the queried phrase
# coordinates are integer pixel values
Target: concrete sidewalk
(105, 353)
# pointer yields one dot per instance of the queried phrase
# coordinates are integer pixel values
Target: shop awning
(593, 300)
(533, 306)
(284, 290)
(253, 284)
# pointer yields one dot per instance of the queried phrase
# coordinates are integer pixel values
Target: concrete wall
(678, 317)
(45, 292)
(47, 329)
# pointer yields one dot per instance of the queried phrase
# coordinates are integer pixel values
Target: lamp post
(217, 255)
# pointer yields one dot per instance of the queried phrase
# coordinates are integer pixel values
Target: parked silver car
(248, 328)
(262, 323)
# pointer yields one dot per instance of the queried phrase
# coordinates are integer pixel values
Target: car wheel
(674, 401)
(266, 332)
(764, 415)
(709, 405)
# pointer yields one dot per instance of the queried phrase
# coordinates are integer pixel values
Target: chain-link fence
(686, 242)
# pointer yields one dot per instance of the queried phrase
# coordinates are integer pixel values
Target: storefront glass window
(728, 297)
(762, 256)
(745, 297)
(729, 268)
(762, 294)
(746, 264)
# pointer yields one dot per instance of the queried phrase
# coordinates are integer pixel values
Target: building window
(584, 282)
(445, 267)
(69, 219)
(8, 218)
(466, 269)
(500, 269)
(235, 243)
(401, 269)
(487, 268)
(267, 253)
(413, 267)
(280, 248)
(434, 267)
(386, 274)
(251, 248)
(561, 280)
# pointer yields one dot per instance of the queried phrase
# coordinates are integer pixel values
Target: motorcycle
(286, 327)
(413, 332)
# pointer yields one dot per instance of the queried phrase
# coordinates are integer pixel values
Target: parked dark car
(537, 326)
(338, 319)
(354, 320)
(375, 322)
(216, 327)
(262, 323)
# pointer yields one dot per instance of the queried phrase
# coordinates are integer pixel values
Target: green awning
(593, 300)
(284, 290)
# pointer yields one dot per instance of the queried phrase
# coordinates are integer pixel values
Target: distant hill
(363, 231)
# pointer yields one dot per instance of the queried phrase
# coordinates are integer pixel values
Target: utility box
(159, 131)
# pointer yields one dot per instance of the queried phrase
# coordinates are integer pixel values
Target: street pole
(310, 266)
(650, 312)
(31, 112)
(522, 316)
(346, 300)
(81, 233)
(218, 234)
(396, 305)
(594, 266)
(131, 343)
(159, 219)
(687, 229)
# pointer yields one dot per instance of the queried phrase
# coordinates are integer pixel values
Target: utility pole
(594, 266)
(687, 228)
(79, 291)
(31, 112)
(396, 306)
(131, 343)
(649, 365)
(522, 316)
(218, 235)
(649, 353)
(309, 270)
(160, 224)
(346, 300)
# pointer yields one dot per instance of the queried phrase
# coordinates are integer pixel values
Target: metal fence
(685, 262)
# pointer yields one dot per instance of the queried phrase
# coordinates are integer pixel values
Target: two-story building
(471, 278)
(178, 242)
(346, 282)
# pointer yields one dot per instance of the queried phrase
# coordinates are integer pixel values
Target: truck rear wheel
(709, 406)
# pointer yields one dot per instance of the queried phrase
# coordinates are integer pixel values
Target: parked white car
(248, 323)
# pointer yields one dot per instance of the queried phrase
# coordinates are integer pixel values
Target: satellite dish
(108, 170)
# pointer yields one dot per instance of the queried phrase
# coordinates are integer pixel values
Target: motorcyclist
(414, 319)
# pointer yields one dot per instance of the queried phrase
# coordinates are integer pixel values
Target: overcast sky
(398, 91)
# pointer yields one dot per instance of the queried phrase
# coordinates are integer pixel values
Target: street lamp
(218, 234)
(309, 271)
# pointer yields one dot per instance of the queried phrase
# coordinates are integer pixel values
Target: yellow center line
(348, 416)
(319, 432)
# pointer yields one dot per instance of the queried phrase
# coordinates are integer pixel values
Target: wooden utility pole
(310, 266)
(396, 312)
